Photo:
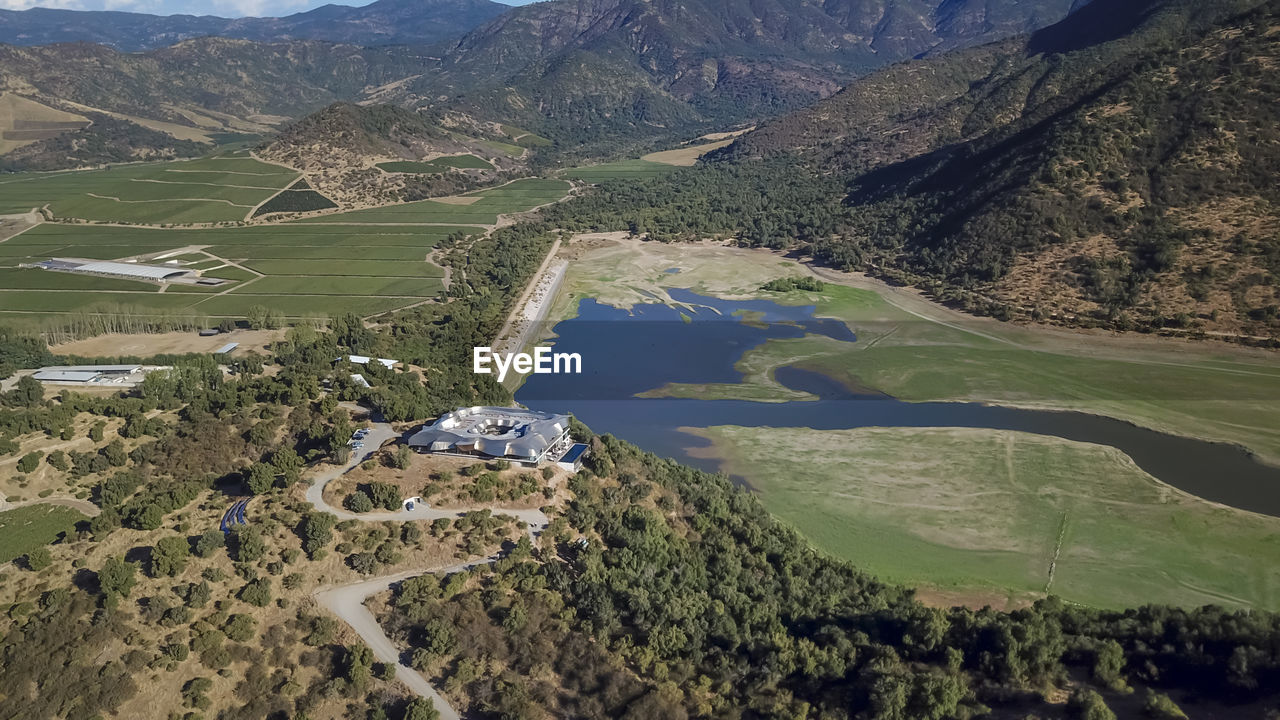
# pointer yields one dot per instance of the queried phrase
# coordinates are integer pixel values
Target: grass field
(27, 528)
(211, 189)
(437, 165)
(977, 509)
(623, 169)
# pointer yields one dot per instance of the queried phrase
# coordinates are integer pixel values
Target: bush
(359, 502)
(257, 592)
(38, 559)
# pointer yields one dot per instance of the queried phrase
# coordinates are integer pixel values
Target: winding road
(347, 601)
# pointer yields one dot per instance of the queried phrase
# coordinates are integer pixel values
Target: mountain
(578, 70)
(341, 146)
(1116, 168)
(385, 22)
(214, 84)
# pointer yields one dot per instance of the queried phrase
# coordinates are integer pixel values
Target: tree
(247, 543)
(58, 459)
(38, 559)
(316, 530)
(257, 316)
(363, 563)
(385, 495)
(402, 458)
(1108, 665)
(240, 627)
(1088, 705)
(210, 542)
(261, 478)
(95, 432)
(421, 709)
(359, 502)
(117, 577)
(115, 453)
(288, 464)
(169, 556)
(30, 461)
(257, 592)
(28, 392)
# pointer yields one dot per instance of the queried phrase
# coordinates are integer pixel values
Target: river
(626, 352)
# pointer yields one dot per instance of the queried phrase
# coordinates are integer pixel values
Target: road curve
(347, 601)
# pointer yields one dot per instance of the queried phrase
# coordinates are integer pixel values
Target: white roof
(66, 375)
(93, 368)
(365, 360)
(226, 348)
(148, 272)
(359, 380)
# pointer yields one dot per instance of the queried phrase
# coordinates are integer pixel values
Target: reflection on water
(628, 352)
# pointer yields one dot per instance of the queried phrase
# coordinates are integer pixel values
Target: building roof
(493, 431)
(66, 375)
(108, 267)
(365, 360)
(94, 368)
(226, 348)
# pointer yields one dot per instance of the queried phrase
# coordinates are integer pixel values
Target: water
(628, 352)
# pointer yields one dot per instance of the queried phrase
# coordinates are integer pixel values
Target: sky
(223, 8)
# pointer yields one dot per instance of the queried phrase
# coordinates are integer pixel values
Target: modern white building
(523, 436)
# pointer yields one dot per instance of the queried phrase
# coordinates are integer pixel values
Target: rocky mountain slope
(384, 22)
(1117, 167)
(577, 70)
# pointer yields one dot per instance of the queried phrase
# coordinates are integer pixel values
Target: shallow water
(628, 352)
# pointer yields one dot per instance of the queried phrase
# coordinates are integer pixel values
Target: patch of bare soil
(145, 344)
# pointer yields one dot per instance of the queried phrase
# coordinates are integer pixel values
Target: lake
(626, 352)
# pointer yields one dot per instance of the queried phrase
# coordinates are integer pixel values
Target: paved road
(347, 601)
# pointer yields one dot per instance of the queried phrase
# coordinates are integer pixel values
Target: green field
(437, 165)
(363, 262)
(979, 509)
(27, 528)
(517, 196)
(212, 189)
(623, 169)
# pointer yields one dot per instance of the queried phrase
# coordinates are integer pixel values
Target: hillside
(1114, 169)
(341, 147)
(385, 22)
(581, 71)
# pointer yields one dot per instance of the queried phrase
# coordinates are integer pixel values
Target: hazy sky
(224, 8)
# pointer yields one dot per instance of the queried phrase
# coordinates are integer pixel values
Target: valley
(918, 361)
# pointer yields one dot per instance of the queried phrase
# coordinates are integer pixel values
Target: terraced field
(213, 189)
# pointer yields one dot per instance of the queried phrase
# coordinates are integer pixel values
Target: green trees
(257, 592)
(247, 544)
(385, 495)
(316, 531)
(30, 461)
(117, 577)
(421, 709)
(210, 542)
(359, 502)
(260, 478)
(169, 556)
(1087, 704)
(38, 559)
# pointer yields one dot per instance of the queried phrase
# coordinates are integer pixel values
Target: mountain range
(385, 22)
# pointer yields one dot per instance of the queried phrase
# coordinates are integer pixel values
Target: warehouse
(109, 268)
(522, 436)
(124, 375)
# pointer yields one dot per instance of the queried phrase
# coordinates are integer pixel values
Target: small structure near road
(520, 436)
(387, 363)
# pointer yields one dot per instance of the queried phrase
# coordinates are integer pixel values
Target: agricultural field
(516, 196)
(623, 169)
(437, 165)
(992, 511)
(26, 528)
(24, 121)
(223, 188)
(367, 262)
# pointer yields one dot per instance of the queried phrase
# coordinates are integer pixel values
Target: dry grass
(685, 156)
(145, 344)
(15, 109)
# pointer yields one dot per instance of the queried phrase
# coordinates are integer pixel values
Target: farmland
(366, 261)
(208, 190)
(980, 509)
